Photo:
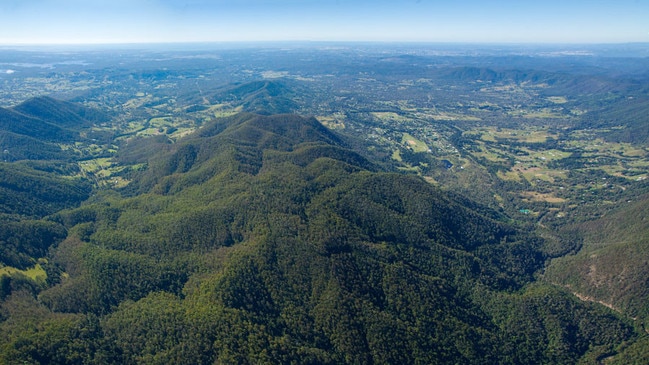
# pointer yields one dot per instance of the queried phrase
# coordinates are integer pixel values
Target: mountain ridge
(244, 138)
(282, 236)
(33, 129)
(612, 265)
(269, 232)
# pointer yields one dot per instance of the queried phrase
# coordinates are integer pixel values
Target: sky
(454, 21)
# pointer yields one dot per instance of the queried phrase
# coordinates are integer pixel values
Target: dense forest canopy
(387, 205)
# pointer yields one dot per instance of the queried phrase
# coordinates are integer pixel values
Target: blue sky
(507, 21)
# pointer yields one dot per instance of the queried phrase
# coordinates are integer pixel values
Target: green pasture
(509, 176)
(413, 143)
(489, 153)
(396, 155)
(332, 121)
(96, 165)
(557, 99)
(35, 273)
(543, 113)
(528, 135)
(447, 116)
(389, 117)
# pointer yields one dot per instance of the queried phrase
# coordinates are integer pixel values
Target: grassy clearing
(133, 127)
(509, 176)
(218, 111)
(332, 122)
(389, 117)
(153, 131)
(545, 113)
(217, 107)
(161, 122)
(557, 99)
(35, 273)
(181, 132)
(95, 165)
(520, 135)
(119, 182)
(624, 150)
(533, 196)
(438, 115)
(491, 154)
(530, 135)
(632, 174)
(396, 155)
(612, 149)
(431, 180)
(551, 155)
(413, 143)
(630, 162)
(104, 172)
(639, 164)
(138, 101)
(408, 168)
(540, 158)
(533, 174)
(223, 113)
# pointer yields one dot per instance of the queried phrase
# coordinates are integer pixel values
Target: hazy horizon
(196, 21)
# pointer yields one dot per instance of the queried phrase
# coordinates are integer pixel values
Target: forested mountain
(28, 125)
(60, 113)
(433, 205)
(37, 178)
(613, 265)
(612, 268)
(626, 120)
(29, 192)
(262, 97)
(33, 129)
(265, 239)
(48, 119)
(18, 147)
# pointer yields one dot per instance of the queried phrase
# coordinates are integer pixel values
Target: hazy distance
(163, 21)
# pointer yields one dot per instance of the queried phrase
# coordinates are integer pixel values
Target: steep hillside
(27, 195)
(627, 120)
(238, 143)
(18, 147)
(33, 129)
(34, 193)
(264, 239)
(61, 113)
(613, 266)
(27, 125)
(37, 178)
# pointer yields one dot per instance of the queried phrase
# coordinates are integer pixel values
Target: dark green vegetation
(612, 265)
(270, 227)
(433, 211)
(36, 176)
(34, 129)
